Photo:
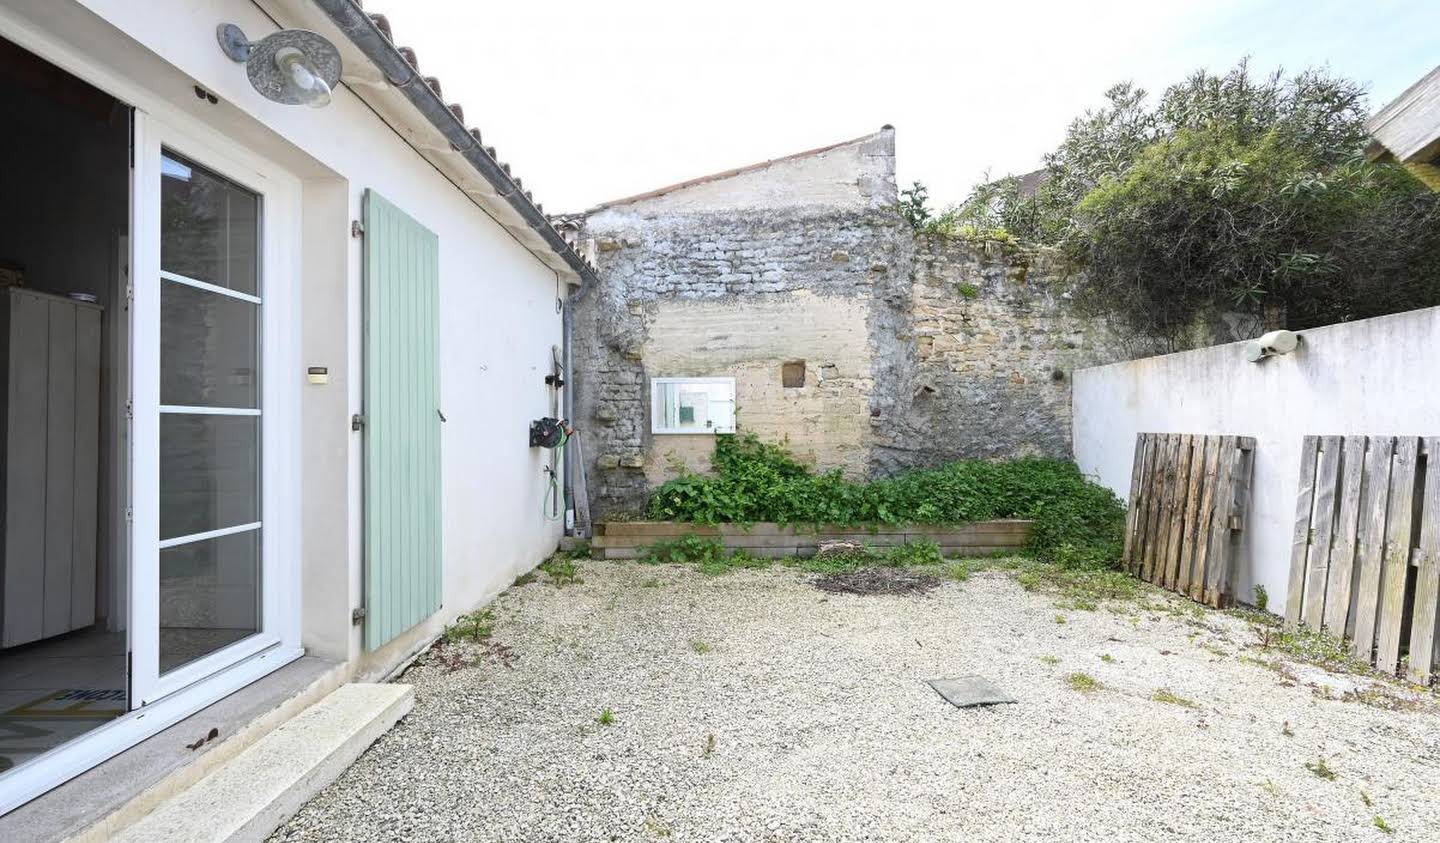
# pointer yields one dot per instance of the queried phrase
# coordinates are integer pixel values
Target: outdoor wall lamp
(292, 66)
(1271, 344)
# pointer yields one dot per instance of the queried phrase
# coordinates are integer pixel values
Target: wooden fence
(629, 539)
(1365, 563)
(1188, 496)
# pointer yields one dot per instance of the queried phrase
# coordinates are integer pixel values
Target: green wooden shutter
(401, 422)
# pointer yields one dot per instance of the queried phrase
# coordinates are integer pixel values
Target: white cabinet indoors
(50, 364)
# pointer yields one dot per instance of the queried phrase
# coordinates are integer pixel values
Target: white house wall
(1375, 377)
(498, 305)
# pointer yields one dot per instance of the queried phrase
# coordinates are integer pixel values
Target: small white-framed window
(692, 405)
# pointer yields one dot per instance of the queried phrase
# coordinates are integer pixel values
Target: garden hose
(553, 490)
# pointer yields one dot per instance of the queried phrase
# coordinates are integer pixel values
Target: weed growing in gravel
(1290, 733)
(699, 646)
(606, 718)
(685, 550)
(1275, 666)
(476, 626)
(656, 827)
(1213, 649)
(1051, 660)
(1310, 646)
(1321, 769)
(1262, 597)
(958, 571)
(1083, 682)
(1165, 695)
(708, 554)
(707, 748)
(1060, 619)
(1365, 797)
(524, 579)
(1107, 658)
(650, 582)
(1082, 589)
(1382, 825)
(561, 569)
(1381, 697)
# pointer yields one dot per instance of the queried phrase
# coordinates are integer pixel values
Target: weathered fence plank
(1423, 624)
(1192, 510)
(1207, 512)
(1179, 487)
(1322, 525)
(1396, 570)
(1342, 543)
(1137, 474)
(1222, 539)
(1300, 544)
(1154, 498)
(1370, 544)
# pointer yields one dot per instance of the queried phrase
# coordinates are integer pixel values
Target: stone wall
(993, 339)
(915, 351)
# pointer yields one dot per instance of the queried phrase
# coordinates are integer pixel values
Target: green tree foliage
(1077, 522)
(1231, 193)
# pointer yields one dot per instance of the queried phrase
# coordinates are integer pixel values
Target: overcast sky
(598, 100)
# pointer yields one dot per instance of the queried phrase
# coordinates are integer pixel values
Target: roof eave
(401, 76)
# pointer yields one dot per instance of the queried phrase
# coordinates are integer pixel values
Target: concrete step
(250, 795)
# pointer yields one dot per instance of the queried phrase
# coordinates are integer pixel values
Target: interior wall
(63, 223)
(1370, 377)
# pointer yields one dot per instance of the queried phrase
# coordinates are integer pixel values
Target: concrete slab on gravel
(251, 794)
(968, 691)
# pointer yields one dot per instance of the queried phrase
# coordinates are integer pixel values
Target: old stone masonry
(866, 347)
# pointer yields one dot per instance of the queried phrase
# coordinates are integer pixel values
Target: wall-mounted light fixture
(1271, 344)
(292, 66)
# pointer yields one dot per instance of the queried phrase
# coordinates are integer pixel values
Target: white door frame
(281, 463)
(279, 472)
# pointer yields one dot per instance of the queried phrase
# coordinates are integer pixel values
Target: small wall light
(1271, 344)
(318, 375)
(292, 66)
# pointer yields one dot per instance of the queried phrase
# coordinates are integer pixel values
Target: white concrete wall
(1374, 377)
(498, 313)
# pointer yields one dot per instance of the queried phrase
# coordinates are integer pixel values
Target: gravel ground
(823, 728)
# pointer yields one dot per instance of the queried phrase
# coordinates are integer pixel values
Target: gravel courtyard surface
(823, 728)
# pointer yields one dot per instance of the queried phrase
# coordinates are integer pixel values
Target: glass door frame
(33, 778)
(279, 400)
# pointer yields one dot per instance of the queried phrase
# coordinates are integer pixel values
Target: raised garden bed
(629, 539)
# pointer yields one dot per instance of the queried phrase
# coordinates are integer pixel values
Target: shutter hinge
(129, 514)
(357, 615)
(357, 229)
(129, 408)
(357, 422)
